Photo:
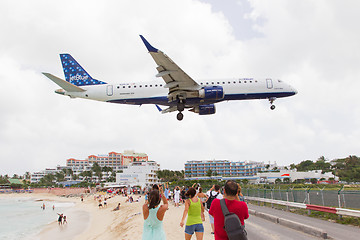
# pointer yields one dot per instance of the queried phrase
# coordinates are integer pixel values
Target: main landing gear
(272, 107)
(180, 107)
(180, 116)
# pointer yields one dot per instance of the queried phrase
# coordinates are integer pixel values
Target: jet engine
(204, 109)
(212, 93)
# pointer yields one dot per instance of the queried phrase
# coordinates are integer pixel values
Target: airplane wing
(179, 83)
(64, 84)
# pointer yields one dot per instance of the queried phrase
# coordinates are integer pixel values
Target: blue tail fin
(75, 74)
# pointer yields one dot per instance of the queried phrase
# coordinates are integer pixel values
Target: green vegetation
(347, 169)
(170, 175)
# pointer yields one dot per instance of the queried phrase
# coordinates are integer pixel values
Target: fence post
(339, 198)
(308, 199)
(264, 203)
(287, 198)
(322, 196)
(272, 197)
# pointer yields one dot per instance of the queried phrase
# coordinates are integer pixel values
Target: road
(261, 229)
(334, 230)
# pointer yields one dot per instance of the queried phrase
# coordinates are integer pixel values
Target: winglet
(148, 46)
(157, 106)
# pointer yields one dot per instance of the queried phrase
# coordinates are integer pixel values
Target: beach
(87, 221)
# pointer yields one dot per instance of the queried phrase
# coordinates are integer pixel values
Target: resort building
(222, 167)
(141, 174)
(117, 161)
(36, 176)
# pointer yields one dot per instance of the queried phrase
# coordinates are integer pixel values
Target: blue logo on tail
(75, 74)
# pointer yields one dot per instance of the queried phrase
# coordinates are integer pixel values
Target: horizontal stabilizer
(158, 108)
(64, 84)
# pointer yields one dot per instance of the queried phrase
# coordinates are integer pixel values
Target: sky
(312, 45)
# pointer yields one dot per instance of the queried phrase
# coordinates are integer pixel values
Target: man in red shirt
(233, 204)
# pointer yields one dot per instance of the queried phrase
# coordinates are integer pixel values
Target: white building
(36, 176)
(270, 177)
(139, 174)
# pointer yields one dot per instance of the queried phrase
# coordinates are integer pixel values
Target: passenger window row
(229, 82)
(140, 86)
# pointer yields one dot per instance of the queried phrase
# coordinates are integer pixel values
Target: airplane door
(109, 90)
(269, 83)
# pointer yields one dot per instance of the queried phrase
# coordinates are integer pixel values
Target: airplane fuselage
(155, 92)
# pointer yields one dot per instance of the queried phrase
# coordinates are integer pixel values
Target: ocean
(23, 218)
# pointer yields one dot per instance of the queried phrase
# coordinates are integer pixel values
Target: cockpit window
(279, 80)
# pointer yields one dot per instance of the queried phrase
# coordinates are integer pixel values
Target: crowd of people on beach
(196, 202)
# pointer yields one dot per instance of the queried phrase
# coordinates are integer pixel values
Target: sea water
(22, 218)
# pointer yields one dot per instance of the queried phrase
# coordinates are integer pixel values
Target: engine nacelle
(204, 109)
(212, 93)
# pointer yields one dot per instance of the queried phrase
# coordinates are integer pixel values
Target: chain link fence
(330, 198)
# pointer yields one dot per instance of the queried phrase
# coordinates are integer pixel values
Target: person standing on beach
(233, 204)
(202, 196)
(153, 216)
(177, 196)
(212, 194)
(60, 218)
(194, 210)
(166, 191)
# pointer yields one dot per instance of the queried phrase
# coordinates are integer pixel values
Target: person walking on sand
(194, 210)
(153, 216)
(64, 220)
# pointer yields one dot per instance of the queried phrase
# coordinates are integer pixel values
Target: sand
(86, 221)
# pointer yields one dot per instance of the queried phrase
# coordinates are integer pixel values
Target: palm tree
(60, 176)
(97, 171)
(86, 175)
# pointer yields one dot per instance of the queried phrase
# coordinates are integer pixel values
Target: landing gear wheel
(272, 107)
(180, 116)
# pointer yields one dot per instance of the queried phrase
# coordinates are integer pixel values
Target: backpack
(210, 199)
(232, 224)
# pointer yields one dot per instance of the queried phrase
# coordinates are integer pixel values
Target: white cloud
(311, 45)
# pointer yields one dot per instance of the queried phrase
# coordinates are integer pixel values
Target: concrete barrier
(318, 232)
(291, 224)
(268, 217)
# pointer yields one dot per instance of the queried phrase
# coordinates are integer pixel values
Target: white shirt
(213, 193)
(176, 193)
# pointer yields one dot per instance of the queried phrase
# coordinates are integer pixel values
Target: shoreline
(87, 221)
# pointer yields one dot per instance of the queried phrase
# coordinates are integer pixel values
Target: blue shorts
(194, 228)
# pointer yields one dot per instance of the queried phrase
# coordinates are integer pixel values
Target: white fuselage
(155, 93)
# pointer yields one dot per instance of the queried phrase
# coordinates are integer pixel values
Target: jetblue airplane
(178, 92)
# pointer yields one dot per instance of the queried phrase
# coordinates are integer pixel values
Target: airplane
(178, 91)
